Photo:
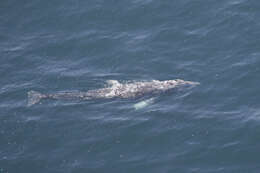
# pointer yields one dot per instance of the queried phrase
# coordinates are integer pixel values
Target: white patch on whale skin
(144, 103)
(113, 83)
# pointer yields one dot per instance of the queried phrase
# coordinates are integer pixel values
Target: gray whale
(115, 90)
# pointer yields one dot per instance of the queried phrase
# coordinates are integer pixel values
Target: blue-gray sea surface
(76, 45)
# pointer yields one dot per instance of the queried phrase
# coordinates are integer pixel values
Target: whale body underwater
(115, 89)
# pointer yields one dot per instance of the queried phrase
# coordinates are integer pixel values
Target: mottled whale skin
(115, 90)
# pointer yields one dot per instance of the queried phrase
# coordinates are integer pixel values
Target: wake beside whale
(115, 90)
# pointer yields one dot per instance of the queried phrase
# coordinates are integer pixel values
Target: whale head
(179, 83)
(186, 83)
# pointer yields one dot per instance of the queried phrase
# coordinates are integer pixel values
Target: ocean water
(52, 46)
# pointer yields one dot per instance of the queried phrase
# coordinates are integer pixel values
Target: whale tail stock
(34, 97)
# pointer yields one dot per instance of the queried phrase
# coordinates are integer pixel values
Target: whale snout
(187, 83)
(194, 83)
